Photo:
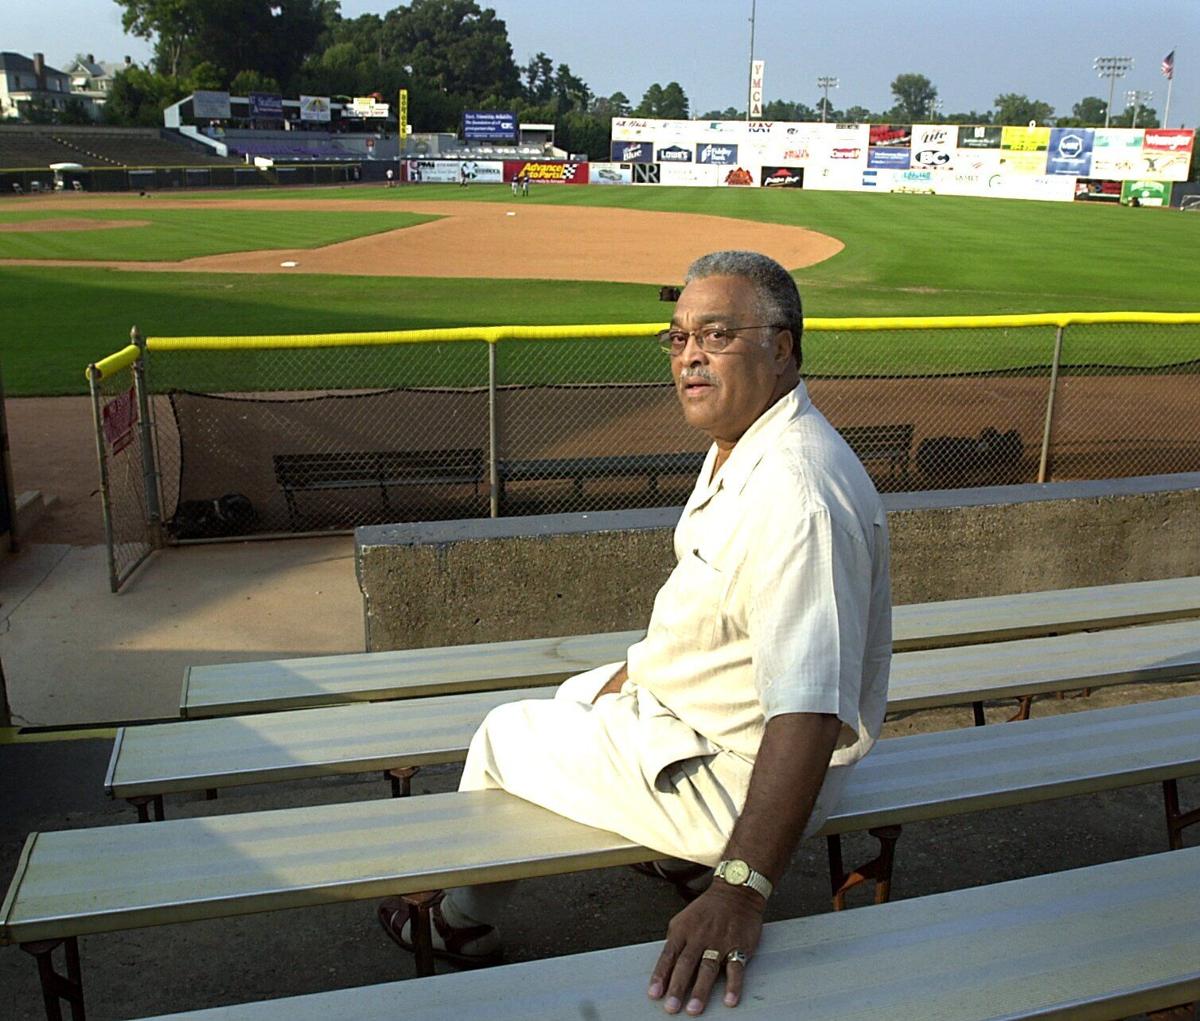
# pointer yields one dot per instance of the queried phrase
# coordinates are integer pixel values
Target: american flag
(1168, 65)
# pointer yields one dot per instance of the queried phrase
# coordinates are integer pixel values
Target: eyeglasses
(710, 339)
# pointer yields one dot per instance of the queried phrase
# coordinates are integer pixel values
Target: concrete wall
(454, 582)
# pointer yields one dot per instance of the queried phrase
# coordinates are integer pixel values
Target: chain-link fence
(301, 434)
(129, 491)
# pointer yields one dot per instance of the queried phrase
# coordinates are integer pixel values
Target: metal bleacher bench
(378, 469)
(233, 688)
(1105, 941)
(81, 882)
(583, 469)
(151, 761)
(891, 443)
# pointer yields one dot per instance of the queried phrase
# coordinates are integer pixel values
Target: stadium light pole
(1135, 98)
(1111, 68)
(750, 66)
(826, 82)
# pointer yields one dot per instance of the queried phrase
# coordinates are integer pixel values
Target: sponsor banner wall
(719, 153)
(267, 105)
(632, 152)
(1116, 153)
(886, 158)
(1169, 139)
(1070, 151)
(1046, 187)
(315, 108)
(933, 146)
(840, 143)
(545, 172)
(610, 173)
(782, 177)
(212, 105)
(1025, 139)
(979, 136)
(489, 126)
(891, 136)
(1148, 193)
(846, 176)
(674, 154)
(690, 174)
(450, 171)
(1163, 165)
(977, 161)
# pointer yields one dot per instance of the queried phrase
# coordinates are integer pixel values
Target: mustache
(698, 372)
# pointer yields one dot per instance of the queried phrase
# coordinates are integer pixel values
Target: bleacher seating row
(24, 148)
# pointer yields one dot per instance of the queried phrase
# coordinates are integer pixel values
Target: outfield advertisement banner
(315, 108)
(782, 177)
(451, 171)
(690, 175)
(978, 136)
(933, 146)
(718, 154)
(741, 176)
(632, 152)
(890, 136)
(1169, 140)
(1148, 193)
(546, 172)
(883, 158)
(610, 173)
(1018, 163)
(674, 154)
(1070, 151)
(1025, 139)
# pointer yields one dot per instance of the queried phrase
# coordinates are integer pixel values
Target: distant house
(24, 82)
(92, 81)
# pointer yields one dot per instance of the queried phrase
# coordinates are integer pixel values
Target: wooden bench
(579, 470)
(209, 754)
(233, 688)
(375, 469)
(189, 869)
(1105, 941)
(891, 443)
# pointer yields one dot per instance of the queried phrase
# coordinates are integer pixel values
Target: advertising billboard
(610, 173)
(451, 171)
(1025, 139)
(1147, 193)
(891, 136)
(211, 105)
(979, 136)
(691, 175)
(782, 177)
(547, 172)
(365, 106)
(933, 146)
(722, 154)
(489, 126)
(674, 154)
(740, 177)
(266, 105)
(315, 108)
(886, 158)
(632, 152)
(1070, 151)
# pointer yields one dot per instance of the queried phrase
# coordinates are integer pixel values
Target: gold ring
(736, 957)
(711, 955)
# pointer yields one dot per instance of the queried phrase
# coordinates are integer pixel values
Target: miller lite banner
(756, 87)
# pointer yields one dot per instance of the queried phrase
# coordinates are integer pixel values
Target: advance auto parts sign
(546, 173)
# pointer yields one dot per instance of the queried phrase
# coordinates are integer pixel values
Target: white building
(24, 82)
(92, 80)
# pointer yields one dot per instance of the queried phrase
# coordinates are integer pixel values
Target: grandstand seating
(35, 147)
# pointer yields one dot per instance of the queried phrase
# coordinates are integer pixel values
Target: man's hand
(723, 918)
(613, 686)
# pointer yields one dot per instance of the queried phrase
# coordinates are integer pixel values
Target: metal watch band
(757, 882)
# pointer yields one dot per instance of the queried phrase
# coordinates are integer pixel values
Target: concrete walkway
(74, 653)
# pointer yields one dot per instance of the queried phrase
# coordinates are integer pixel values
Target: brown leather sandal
(394, 912)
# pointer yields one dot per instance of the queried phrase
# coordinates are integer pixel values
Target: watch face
(737, 872)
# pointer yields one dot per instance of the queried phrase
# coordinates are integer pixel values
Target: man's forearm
(787, 777)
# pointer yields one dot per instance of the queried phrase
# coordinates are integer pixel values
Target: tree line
(452, 55)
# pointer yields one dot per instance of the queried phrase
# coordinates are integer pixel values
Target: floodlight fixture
(1111, 68)
(1137, 98)
(826, 82)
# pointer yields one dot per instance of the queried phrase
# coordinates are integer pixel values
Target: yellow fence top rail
(114, 362)
(494, 334)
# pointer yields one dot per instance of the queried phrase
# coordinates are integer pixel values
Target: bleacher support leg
(1177, 821)
(143, 802)
(878, 869)
(56, 987)
(422, 932)
(401, 779)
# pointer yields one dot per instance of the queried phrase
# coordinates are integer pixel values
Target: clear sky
(971, 50)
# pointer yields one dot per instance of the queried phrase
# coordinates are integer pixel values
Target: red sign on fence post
(119, 416)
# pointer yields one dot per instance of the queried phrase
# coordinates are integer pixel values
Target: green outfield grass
(174, 234)
(904, 255)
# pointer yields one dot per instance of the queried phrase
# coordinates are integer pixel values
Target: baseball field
(76, 271)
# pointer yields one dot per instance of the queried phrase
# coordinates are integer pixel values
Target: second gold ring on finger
(711, 955)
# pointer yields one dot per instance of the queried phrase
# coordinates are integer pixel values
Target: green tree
(539, 78)
(669, 102)
(169, 24)
(1089, 111)
(245, 82)
(571, 92)
(1014, 108)
(914, 98)
(1147, 117)
(858, 115)
(730, 113)
(74, 112)
(138, 96)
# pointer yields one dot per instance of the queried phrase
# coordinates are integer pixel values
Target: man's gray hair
(778, 297)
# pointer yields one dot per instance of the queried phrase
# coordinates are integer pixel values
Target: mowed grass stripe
(174, 234)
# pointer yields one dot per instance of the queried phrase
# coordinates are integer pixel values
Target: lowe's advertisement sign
(1070, 151)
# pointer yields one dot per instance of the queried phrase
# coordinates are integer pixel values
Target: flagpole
(1166, 121)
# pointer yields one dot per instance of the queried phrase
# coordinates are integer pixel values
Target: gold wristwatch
(736, 872)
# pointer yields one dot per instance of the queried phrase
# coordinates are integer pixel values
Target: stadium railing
(541, 419)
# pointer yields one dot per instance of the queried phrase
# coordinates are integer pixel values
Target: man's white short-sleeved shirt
(780, 601)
